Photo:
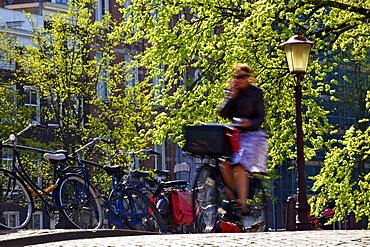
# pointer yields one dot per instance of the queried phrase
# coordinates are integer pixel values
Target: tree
(213, 35)
(344, 175)
(14, 115)
(68, 62)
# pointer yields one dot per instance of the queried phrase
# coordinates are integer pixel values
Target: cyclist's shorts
(252, 154)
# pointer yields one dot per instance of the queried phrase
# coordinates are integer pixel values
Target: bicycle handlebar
(96, 139)
(150, 152)
(13, 137)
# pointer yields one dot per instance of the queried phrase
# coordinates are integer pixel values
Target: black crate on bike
(208, 141)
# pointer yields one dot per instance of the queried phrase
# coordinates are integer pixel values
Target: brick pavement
(117, 238)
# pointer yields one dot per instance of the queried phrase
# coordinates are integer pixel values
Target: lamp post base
(303, 223)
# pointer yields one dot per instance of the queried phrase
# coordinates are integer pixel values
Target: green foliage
(70, 57)
(343, 176)
(13, 113)
(337, 178)
(213, 35)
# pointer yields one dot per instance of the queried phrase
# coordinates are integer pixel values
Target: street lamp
(297, 50)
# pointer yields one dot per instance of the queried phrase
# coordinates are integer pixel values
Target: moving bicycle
(213, 211)
(243, 102)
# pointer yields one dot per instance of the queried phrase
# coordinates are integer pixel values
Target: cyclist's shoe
(225, 207)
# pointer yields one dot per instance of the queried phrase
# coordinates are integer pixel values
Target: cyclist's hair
(246, 68)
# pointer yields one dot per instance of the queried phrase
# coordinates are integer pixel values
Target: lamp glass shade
(297, 56)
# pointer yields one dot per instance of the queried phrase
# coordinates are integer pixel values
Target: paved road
(125, 238)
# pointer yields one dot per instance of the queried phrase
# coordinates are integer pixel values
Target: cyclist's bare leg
(241, 184)
(227, 171)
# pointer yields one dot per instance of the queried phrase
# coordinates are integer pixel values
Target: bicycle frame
(59, 171)
(115, 208)
(138, 186)
(70, 193)
(18, 170)
(115, 205)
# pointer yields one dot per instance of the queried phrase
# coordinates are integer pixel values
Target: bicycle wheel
(80, 203)
(140, 213)
(16, 204)
(205, 200)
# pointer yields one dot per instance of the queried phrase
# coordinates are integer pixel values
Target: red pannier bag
(234, 139)
(181, 207)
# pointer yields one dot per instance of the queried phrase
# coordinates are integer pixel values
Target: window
(126, 17)
(12, 218)
(158, 82)
(131, 73)
(37, 220)
(197, 75)
(101, 8)
(7, 157)
(5, 63)
(126, 5)
(8, 49)
(102, 87)
(60, 1)
(160, 162)
(32, 99)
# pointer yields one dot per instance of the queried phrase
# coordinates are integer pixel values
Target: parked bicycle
(171, 198)
(69, 193)
(210, 141)
(127, 205)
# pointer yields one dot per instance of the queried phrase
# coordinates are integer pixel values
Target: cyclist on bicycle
(244, 101)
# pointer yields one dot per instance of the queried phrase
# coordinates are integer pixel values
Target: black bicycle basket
(207, 141)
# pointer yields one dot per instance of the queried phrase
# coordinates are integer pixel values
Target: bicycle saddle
(112, 169)
(56, 156)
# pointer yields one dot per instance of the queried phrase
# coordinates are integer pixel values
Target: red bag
(181, 207)
(234, 139)
(227, 227)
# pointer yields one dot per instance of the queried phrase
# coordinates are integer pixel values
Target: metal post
(303, 208)
(290, 224)
(351, 221)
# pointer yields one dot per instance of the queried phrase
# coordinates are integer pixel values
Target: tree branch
(342, 6)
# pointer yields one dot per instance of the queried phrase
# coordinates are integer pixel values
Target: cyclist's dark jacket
(247, 104)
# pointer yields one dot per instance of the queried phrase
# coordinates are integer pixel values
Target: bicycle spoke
(15, 202)
(140, 212)
(79, 203)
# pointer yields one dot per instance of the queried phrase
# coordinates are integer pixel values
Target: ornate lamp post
(297, 50)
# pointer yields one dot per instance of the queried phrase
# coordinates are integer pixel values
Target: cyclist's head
(246, 69)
